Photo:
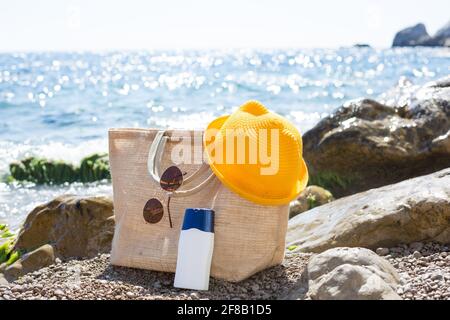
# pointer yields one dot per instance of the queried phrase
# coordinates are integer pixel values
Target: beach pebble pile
(96, 279)
(424, 269)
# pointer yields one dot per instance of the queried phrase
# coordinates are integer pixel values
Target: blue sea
(60, 105)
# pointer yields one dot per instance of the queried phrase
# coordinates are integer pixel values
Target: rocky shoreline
(386, 236)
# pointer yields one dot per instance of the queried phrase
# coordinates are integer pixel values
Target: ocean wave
(12, 151)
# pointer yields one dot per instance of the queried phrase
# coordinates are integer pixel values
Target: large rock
(311, 197)
(411, 36)
(442, 37)
(443, 32)
(418, 36)
(366, 144)
(413, 210)
(34, 260)
(347, 274)
(75, 227)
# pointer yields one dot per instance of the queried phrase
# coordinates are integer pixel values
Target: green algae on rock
(5, 232)
(43, 171)
(94, 168)
(40, 171)
(7, 253)
(29, 262)
(13, 257)
(5, 250)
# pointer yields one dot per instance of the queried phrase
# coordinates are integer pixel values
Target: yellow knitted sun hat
(257, 154)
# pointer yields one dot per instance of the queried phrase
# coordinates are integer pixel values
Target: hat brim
(302, 181)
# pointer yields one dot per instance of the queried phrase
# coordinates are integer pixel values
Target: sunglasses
(170, 181)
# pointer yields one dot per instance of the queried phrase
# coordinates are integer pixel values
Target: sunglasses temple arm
(168, 211)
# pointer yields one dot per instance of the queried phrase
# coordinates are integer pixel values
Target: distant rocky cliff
(418, 36)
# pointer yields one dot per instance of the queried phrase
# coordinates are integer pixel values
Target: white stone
(348, 273)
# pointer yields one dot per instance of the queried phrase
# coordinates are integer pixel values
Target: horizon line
(164, 48)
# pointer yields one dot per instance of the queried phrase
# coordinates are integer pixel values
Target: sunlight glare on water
(60, 105)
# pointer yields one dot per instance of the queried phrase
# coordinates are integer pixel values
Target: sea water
(60, 105)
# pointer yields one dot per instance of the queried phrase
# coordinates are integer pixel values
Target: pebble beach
(97, 279)
(424, 269)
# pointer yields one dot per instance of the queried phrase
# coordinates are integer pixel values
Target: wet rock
(366, 144)
(75, 227)
(311, 197)
(44, 171)
(34, 260)
(413, 210)
(94, 168)
(348, 273)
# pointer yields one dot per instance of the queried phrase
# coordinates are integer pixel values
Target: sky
(64, 25)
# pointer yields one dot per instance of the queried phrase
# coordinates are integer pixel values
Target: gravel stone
(423, 268)
(58, 292)
(382, 251)
(416, 246)
(96, 278)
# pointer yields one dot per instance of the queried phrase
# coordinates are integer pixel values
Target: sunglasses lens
(171, 179)
(153, 211)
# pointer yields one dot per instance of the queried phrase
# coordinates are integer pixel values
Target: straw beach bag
(248, 237)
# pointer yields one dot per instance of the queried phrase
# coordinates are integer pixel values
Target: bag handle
(154, 159)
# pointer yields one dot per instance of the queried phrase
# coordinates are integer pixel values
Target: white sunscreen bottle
(195, 249)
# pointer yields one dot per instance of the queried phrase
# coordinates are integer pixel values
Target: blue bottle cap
(199, 218)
